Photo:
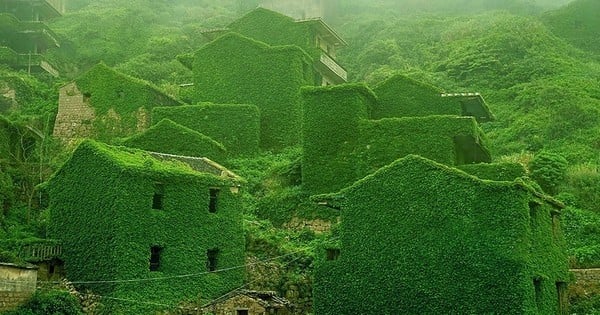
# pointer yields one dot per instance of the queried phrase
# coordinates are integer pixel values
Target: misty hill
(577, 23)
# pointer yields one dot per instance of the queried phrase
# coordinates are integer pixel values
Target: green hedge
(172, 138)
(330, 129)
(108, 90)
(494, 171)
(236, 126)
(101, 204)
(238, 70)
(418, 237)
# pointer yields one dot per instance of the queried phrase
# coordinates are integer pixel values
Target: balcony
(31, 62)
(330, 69)
(35, 10)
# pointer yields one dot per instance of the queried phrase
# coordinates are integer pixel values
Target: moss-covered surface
(234, 69)
(418, 237)
(172, 138)
(101, 204)
(494, 171)
(109, 90)
(236, 126)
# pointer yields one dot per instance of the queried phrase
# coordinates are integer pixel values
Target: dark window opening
(155, 258)
(51, 269)
(333, 253)
(563, 299)
(242, 312)
(534, 207)
(537, 285)
(157, 199)
(212, 257)
(212, 203)
(87, 96)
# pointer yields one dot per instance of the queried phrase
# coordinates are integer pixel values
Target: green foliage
(236, 126)
(429, 227)
(583, 183)
(577, 23)
(549, 170)
(494, 171)
(49, 303)
(252, 72)
(582, 233)
(107, 217)
(172, 138)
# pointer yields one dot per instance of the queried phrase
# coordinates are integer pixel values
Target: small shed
(17, 284)
(249, 302)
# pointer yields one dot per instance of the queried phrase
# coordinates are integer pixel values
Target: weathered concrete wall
(239, 302)
(586, 283)
(316, 225)
(17, 284)
(75, 116)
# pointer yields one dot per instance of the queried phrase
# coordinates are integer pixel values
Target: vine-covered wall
(341, 143)
(401, 96)
(172, 138)
(105, 212)
(235, 126)
(494, 171)
(118, 100)
(330, 131)
(418, 237)
(234, 69)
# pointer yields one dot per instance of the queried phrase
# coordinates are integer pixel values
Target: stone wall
(586, 283)
(75, 116)
(238, 302)
(17, 284)
(316, 225)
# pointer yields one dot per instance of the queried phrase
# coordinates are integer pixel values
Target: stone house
(104, 104)
(17, 284)
(419, 237)
(249, 302)
(160, 228)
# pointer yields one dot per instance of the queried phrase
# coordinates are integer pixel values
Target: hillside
(577, 23)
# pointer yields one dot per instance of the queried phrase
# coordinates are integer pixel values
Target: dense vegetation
(537, 65)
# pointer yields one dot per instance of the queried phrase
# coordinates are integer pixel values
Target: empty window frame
(333, 253)
(155, 252)
(212, 257)
(158, 198)
(213, 199)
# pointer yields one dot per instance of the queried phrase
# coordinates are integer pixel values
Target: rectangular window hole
(157, 199)
(333, 253)
(155, 252)
(213, 198)
(212, 259)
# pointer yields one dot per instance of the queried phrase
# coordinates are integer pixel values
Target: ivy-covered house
(419, 237)
(343, 140)
(103, 104)
(147, 227)
(24, 36)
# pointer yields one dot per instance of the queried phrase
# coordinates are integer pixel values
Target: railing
(37, 252)
(330, 63)
(58, 5)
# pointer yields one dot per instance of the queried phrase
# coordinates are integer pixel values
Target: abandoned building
(24, 36)
(104, 104)
(126, 217)
(366, 132)
(17, 284)
(445, 242)
(250, 302)
(287, 53)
